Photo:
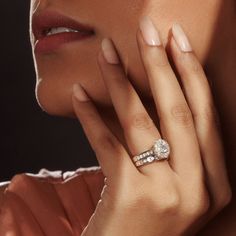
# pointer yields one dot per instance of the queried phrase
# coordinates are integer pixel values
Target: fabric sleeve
(51, 202)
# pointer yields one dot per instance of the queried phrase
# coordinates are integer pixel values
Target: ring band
(159, 151)
(143, 155)
(144, 161)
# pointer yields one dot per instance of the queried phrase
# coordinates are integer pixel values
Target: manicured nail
(79, 93)
(109, 51)
(181, 38)
(149, 32)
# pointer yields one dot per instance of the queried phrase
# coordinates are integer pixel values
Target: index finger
(110, 153)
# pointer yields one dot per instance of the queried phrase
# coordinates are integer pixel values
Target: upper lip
(45, 20)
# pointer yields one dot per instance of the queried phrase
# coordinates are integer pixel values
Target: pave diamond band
(143, 155)
(159, 151)
(144, 161)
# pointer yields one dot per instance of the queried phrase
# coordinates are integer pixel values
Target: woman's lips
(51, 43)
(46, 20)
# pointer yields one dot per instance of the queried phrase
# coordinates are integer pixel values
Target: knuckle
(208, 114)
(182, 115)
(107, 142)
(224, 199)
(195, 67)
(201, 208)
(192, 65)
(139, 121)
(169, 204)
(199, 205)
(198, 210)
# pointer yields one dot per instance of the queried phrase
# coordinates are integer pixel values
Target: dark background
(30, 138)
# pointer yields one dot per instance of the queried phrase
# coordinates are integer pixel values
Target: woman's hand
(165, 197)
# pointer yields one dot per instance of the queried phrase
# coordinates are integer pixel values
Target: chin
(55, 97)
(55, 102)
(58, 71)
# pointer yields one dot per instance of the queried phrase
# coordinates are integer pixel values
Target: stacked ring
(159, 151)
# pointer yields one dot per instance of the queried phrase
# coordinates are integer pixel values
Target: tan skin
(210, 51)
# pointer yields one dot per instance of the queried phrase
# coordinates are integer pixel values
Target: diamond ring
(159, 151)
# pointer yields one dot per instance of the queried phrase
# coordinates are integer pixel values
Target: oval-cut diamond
(161, 149)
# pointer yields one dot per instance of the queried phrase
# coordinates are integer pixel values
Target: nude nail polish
(149, 32)
(109, 51)
(79, 93)
(181, 38)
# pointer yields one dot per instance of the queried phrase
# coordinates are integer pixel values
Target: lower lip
(51, 43)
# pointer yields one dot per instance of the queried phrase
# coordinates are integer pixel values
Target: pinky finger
(111, 154)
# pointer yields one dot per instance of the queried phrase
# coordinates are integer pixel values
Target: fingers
(139, 129)
(111, 155)
(176, 120)
(200, 100)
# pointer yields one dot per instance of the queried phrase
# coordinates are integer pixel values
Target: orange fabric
(50, 203)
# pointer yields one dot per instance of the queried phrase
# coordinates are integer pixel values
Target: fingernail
(149, 32)
(181, 38)
(109, 51)
(79, 93)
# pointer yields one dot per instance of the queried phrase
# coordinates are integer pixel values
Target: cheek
(197, 17)
(133, 67)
